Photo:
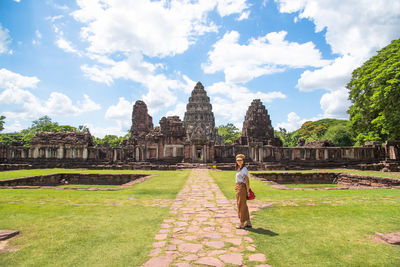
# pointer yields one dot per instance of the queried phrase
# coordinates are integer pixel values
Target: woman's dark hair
(237, 165)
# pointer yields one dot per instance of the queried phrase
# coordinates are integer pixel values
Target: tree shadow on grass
(262, 231)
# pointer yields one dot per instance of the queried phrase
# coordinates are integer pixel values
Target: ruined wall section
(142, 122)
(257, 126)
(166, 142)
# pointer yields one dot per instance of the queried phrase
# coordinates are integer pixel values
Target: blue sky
(87, 62)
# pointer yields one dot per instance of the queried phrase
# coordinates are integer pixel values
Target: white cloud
(228, 7)
(157, 28)
(132, 68)
(161, 89)
(87, 104)
(264, 55)
(356, 27)
(228, 97)
(66, 46)
(355, 30)
(293, 123)
(38, 34)
(38, 37)
(12, 79)
(97, 74)
(179, 110)
(15, 127)
(30, 106)
(5, 40)
(61, 7)
(332, 77)
(54, 18)
(103, 131)
(59, 104)
(244, 15)
(121, 113)
(335, 104)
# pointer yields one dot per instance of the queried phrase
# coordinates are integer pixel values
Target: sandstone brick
(257, 257)
(210, 261)
(232, 258)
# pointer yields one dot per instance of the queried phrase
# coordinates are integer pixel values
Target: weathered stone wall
(358, 180)
(327, 178)
(72, 178)
(298, 178)
(302, 156)
(164, 152)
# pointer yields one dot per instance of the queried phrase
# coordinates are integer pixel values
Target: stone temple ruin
(195, 140)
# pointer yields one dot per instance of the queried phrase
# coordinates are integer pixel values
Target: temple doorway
(199, 154)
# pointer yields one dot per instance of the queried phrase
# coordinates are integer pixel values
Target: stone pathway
(201, 230)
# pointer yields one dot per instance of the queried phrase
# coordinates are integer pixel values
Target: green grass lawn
(88, 185)
(86, 228)
(322, 227)
(310, 185)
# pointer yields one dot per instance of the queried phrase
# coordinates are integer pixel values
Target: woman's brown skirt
(241, 198)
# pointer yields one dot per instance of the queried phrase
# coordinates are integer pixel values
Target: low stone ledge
(390, 238)
(347, 181)
(10, 167)
(72, 178)
(298, 177)
(6, 234)
(359, 180)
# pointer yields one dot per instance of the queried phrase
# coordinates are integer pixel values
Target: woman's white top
(241, 174)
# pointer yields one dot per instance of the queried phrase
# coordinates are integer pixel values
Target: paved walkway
(201, 230)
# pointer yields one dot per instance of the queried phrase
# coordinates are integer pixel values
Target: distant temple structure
(191, 141)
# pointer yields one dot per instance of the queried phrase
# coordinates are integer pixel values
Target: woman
(242, 191)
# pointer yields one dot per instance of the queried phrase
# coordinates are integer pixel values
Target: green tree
(312, 131)
(2, 118)
(375, 97)
(112, 140)
(44, 124)
(229, 133)
(285, 137)
(15, 139)
(340, 135)
(83, 128)
(65, 128)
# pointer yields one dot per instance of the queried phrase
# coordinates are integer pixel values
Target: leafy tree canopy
(2, 118)
(112, 140)
(335, 130)
(375, 97)
(229, 133)
(16, 139)
(340, 135)
(288, 139)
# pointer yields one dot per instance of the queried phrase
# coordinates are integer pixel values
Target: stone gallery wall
(88, 157)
